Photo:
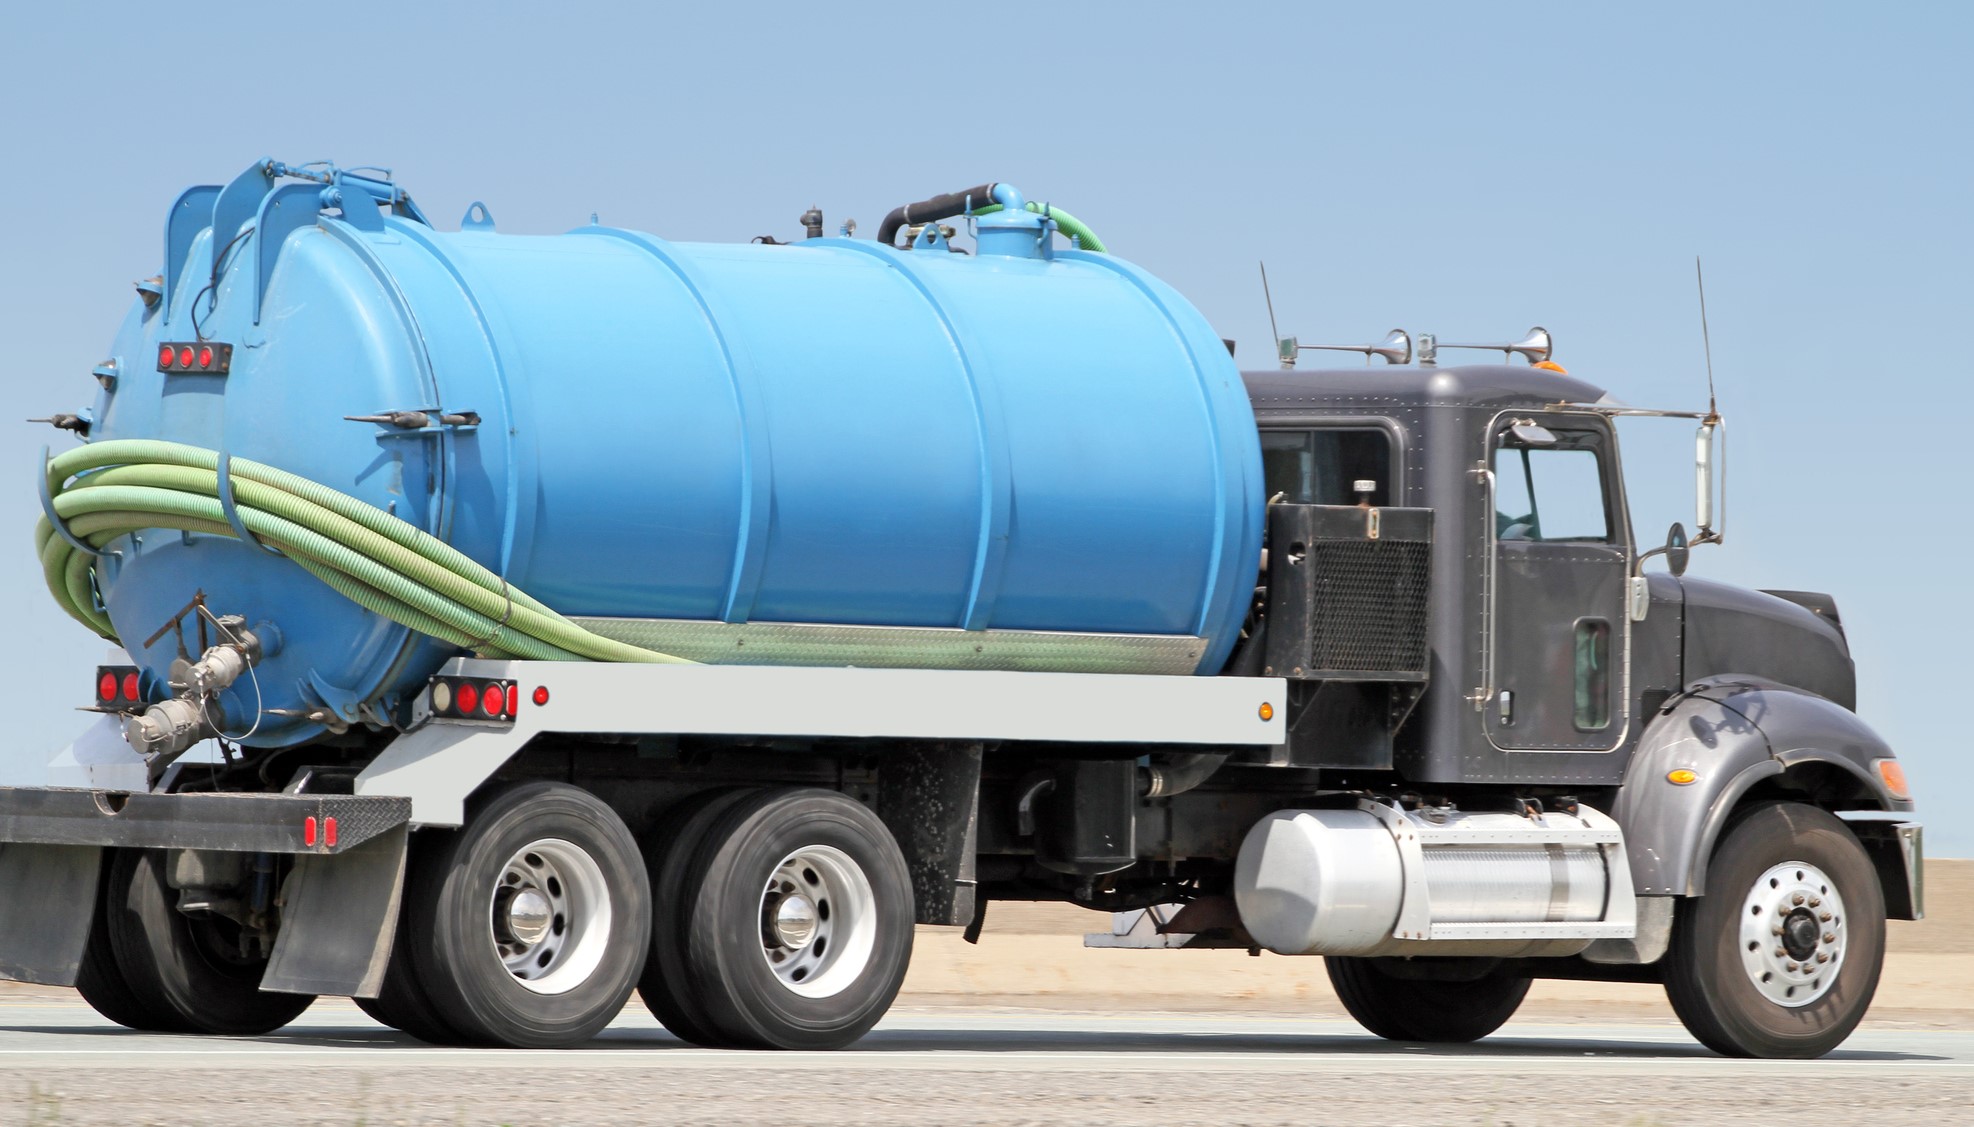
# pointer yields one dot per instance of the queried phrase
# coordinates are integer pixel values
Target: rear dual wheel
(1466, 1000)
(149, 966)
(785, 922)
(524, 928)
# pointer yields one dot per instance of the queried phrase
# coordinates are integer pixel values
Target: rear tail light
(474, 698)
(119, 687)
(210, 358)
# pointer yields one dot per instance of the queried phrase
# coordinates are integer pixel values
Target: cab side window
(1322, 467)
(1550, 493)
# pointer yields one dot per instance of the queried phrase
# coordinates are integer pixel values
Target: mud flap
(49, 893)
(339, 913)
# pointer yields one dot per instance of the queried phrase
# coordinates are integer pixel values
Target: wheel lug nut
(1781, 953)
(1829, 937)
(1822, 956)
(1791, 968)
(1824, 916)
(1816, 902)
(1776, 930)
(1798, 899)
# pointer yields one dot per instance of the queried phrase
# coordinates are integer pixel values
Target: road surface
(61, 1064)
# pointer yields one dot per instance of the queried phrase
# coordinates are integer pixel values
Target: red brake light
(205, 357)
(308, 830)
(329, 832)
(493, 700)
(541, 695)
(130, 686)
(165, 355)
(466, 698)
(185, 357)
(106, 687)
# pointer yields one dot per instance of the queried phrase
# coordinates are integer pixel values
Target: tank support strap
(231, 509)
(48, 510)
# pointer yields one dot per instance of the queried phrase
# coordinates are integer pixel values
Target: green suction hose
(106, 490)
(1067, 223)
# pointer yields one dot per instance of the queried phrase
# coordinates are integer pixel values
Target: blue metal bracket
(359, 207)
(189, 215)
(231, 509)
(286, 209)
(54, 521)
(238, 202)
(477, 218)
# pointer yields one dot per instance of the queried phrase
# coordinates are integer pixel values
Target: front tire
(1782, 956)
(529, 925)
(1458, 1008)
(796, 914)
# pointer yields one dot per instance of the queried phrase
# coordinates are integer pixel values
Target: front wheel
(1782, 956)
(1441, 1000)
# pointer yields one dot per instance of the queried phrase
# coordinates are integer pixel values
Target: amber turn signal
(1682, 777)
(1894, 776)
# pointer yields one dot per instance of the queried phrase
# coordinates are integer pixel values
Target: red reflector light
(493, 700)
(185, 357)
(165, 355)
(308, 830)
(329, 832)
(106, 687)
(466, 698)
(205, 357)
(130, 686)
(541, 694)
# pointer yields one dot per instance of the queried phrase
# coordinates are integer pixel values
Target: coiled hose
(105, 490)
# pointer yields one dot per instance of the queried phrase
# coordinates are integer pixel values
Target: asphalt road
(60, 1064)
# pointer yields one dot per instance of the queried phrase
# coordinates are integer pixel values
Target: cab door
(1560, 557)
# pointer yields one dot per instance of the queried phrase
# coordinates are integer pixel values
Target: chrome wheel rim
(818, 921)
(1793, 934)
(549, 916)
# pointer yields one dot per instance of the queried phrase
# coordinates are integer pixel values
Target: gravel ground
(910, 1098)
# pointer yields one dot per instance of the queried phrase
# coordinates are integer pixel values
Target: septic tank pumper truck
(591, 614)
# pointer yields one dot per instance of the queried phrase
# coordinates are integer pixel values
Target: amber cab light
(1893, 775)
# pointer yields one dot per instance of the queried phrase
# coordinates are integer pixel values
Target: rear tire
(102, 984)
(402, 1002)
(665, 986)
(1431, 1010)
(796, 910)
(184, 969)
(1723, 973)
(528, 927)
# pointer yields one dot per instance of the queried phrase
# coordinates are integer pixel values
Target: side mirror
(1703, 479)
(1677, 553)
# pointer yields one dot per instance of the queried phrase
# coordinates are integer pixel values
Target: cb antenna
(1274, 334)
(1706, 342)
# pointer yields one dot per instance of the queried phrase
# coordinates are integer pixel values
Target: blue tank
(1029, 437)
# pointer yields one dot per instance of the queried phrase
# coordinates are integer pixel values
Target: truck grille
(1341, 605)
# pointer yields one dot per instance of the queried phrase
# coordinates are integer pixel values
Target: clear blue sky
(1465, 169)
